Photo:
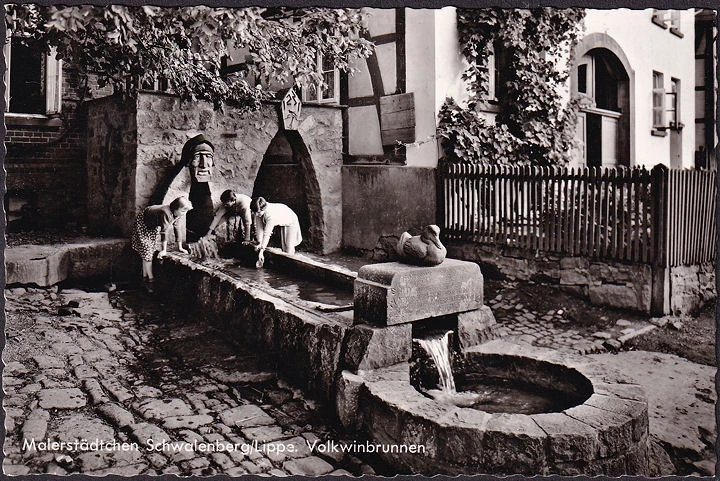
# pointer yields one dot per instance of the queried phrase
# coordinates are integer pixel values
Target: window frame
(53, 83)
(306, 92)
(658, 103)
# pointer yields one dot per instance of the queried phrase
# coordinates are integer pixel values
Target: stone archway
(241, 140)
(601, 50)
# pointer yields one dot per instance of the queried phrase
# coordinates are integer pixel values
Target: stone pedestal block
(393, 293)
(475, 327)
(368, 347)
(347, 402)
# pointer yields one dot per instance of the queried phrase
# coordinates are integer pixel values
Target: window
(658, 98)
(658, 17)
(672, 100)
(34, 79)
(331, 77)
(662, 18)
(582, 78)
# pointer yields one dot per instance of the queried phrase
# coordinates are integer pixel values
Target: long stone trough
(358, 360)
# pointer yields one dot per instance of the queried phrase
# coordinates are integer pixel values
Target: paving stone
(142, 432)
(119, 416)
(340, 472)
(195, 463)
(236, 471)
(247, 415)
(117, 389)
(263, 434)
(15, 367)
(95, 460)
(69, 398)
(311, 466)
(278, 451)
(222, 460)
(147, 392)
(163, 408)
(80, 426)
(84, 371)
(250, 467)
(95, 391)
(177, 422)
(623, 323)
(277, 472)
(15, 469)
(47, 362)
(602, 335)
(127, 470)
(240, 377)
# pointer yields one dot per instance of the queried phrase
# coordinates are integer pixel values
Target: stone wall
(614, 284)
(45, 163)
(626, 286)
(111, 169)
(163, 124)
(381, 201)
(691, 287)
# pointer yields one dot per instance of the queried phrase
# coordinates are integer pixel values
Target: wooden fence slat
(665, 216)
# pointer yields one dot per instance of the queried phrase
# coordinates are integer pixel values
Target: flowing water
(439, 351)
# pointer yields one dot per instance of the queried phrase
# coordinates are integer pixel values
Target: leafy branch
(534, 123)
(128, 45)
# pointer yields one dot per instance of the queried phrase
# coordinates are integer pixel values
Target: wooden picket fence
(666, 217)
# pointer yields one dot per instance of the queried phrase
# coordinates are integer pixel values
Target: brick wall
(45, 163)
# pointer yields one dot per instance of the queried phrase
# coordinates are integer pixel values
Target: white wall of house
(649, 48)
(434, 66)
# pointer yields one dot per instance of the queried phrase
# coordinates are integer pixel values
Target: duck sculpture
(424, 249)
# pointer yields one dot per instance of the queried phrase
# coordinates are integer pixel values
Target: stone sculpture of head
(198, 155)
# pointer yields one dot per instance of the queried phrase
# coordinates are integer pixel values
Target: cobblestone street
(115, 369)
(522, 324)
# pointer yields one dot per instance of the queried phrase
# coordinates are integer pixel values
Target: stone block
(570, 439)
(616, 295)
(41, 265)
(62, 398)
(574, 277)
(369, 347)
(311, 466)
(514, 444)
(574, 263)
(394, 293)
(347, 400)
(475, 327)
(247, 415)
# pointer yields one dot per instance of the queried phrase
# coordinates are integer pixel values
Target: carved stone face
(202, 163)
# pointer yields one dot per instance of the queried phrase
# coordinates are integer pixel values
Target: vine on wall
(535, 124)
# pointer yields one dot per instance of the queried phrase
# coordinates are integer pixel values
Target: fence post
(440, 195)
(660, 300)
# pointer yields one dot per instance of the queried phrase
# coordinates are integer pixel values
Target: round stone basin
(511, 384)
(604, 432)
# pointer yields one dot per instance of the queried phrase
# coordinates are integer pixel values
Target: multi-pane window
(668, 18)
(658, 98)
(33, 79)
(673, 103)
(331, 91)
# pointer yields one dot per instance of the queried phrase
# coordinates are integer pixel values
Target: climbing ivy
(535, 122)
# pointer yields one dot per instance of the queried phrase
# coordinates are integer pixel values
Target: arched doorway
(603, 80)
(287, 176)
(603, 122)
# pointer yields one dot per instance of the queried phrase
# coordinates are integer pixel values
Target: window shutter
(53, 83)
(658, 108)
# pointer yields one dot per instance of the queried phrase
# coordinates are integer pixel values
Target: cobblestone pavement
(521, 324)
(117, 371)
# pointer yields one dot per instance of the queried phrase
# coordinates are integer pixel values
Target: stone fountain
(599, 425)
